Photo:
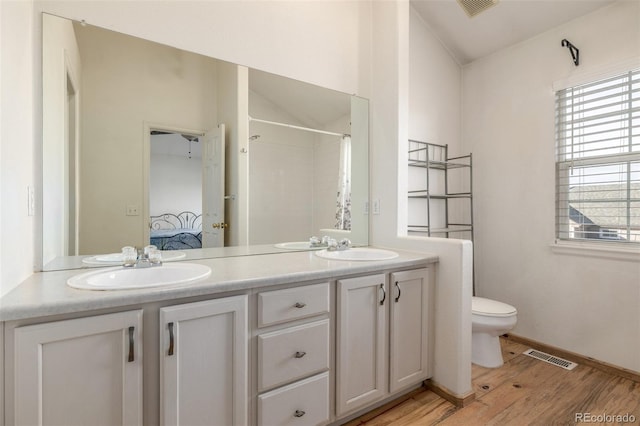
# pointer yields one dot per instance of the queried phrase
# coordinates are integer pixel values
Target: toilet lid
(488, 307)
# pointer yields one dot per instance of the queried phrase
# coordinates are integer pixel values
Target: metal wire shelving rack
(434, 158)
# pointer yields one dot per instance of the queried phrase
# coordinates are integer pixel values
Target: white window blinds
(598, 160)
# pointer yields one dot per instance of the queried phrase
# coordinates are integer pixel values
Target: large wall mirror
(144, 143)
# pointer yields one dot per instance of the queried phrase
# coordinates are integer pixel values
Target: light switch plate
(133, 210)
(376, 206)
(31, 201)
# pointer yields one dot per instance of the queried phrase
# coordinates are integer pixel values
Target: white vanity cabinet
(316, 348)
(411, 311)
(204, 362)
(79, 372)
(361, 358)
(383, 336)
(293, 360)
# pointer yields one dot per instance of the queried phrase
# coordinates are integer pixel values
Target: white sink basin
(297, 245)
(122, 278)
(358, 253)
(117, 258)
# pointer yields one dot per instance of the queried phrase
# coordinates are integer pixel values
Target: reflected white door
(213, 224)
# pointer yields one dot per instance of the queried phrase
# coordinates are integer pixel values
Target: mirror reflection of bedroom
(176, 189)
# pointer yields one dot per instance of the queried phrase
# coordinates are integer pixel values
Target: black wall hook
(575, 52)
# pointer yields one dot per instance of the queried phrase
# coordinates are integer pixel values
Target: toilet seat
(491, 308)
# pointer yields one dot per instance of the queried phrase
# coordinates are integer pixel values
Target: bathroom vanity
(287, 338)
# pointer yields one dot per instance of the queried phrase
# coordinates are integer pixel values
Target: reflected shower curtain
(343, 211)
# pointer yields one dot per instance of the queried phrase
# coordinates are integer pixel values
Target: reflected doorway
(175, 190)
(186, 189)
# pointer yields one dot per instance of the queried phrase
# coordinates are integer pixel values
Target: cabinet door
(361, 340)
(85, 371)
(204, 363)
(410, 296)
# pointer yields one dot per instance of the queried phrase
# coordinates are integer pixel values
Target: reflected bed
(180, 231)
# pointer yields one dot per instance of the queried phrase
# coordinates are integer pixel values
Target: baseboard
(458, 401)
(577, 358)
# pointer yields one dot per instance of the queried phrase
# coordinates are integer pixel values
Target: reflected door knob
(220, 225)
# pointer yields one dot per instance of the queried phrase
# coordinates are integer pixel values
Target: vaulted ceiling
(506, 23)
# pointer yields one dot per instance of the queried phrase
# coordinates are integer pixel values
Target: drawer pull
(300, 305)
(300, 354)
(299, 413)
(131, 356)
(170, 351)
(384, 294)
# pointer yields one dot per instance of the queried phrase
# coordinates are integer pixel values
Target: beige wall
(129, 83)
(233, 103)
(61, 67)
(580, 302)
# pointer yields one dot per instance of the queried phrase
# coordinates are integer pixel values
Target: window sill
(609, 251)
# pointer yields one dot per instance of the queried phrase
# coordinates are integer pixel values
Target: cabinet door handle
(300, 354)
(300, 305)
(299, 413)
(131, 345)
(384, 294)
(170, 351)
(399, 292)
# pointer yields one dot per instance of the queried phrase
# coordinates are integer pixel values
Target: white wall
(583, 304)
(316, 42)
(358, 47)
(18, 121)
(435, 105)
(435, 96)
(281, 169)
(326, 160)
(391, 115)
(285, 165)
(175, 184)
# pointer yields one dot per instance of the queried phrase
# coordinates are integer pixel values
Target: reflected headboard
(183, 220)
(171, 231)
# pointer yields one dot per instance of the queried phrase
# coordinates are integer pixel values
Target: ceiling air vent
(473, 7)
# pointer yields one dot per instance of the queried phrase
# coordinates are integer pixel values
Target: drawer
(292, 303)
(292, 353)
(303, 403)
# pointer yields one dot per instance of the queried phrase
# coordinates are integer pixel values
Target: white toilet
(489, 319)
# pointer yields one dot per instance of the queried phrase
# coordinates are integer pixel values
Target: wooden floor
(524, 391)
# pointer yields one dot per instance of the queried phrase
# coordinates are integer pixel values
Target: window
(598, 161)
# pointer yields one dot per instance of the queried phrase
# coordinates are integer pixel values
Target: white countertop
(46, 293)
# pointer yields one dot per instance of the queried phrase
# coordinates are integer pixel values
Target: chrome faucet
(317, 242)
(343, 244)
(141, 258)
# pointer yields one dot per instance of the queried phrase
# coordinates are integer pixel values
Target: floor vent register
(542, 356)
